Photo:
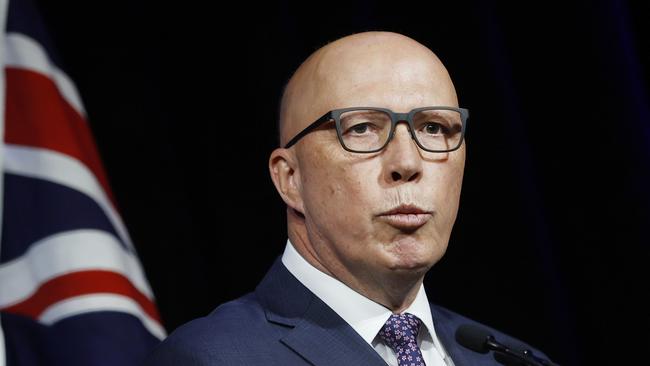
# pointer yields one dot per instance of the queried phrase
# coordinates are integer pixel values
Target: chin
(411, 256)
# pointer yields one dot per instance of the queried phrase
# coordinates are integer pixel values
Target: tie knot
(401, 331)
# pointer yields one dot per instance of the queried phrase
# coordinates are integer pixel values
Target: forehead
(401, 77)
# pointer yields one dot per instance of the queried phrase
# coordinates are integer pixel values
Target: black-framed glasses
(370, 129)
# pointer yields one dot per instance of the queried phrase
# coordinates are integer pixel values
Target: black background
(551, 242)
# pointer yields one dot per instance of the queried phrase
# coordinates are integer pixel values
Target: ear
(285, 174)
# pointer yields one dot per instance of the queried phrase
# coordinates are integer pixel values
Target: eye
(360, 128)
(433, 128)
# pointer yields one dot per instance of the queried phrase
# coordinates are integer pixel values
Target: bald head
(366, 69)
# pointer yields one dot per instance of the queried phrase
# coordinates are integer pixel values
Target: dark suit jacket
(283, 323)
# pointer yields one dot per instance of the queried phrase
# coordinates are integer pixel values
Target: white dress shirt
(365, 316)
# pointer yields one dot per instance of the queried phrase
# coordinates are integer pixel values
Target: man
(372, 190)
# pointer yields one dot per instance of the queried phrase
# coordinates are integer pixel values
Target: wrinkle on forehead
(347, 71)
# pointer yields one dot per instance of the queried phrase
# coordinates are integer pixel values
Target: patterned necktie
(401, 333)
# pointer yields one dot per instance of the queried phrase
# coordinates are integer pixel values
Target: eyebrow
(365, 112)
(441, 113)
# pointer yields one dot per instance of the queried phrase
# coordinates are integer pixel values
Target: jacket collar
(318, 334)
(446, 331)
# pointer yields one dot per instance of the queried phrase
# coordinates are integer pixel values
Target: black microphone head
(473, 337)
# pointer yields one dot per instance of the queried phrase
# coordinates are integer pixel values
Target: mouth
(406, 217)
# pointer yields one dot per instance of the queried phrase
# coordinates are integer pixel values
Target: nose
(401, 158)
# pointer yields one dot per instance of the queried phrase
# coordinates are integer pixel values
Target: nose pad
(408, 129)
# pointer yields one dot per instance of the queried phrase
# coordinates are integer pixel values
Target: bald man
(370, 169)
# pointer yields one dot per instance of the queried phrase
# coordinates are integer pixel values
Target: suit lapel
(445, 330)
(318, 334)
(324, 338)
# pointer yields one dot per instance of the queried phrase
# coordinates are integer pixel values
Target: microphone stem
(526, 358)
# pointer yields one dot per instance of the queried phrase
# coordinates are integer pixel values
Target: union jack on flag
(72, 290)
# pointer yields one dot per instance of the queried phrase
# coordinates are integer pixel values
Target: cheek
(448, 181)
(338, 198)
(343, 190)
(335, 180)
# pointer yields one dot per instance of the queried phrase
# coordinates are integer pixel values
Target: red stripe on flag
(81, 283)
(36, 115)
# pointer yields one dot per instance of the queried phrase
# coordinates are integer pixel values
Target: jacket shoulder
(211, 337)
(454, 320)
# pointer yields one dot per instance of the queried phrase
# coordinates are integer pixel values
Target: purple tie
(401, 333)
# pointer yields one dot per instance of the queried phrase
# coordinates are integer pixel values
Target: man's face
(347, 197)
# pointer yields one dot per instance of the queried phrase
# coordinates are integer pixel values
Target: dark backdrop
(551, 242)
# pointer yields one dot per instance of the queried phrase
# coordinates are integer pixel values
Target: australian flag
(72, 290)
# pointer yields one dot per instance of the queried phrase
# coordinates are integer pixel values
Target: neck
(397, 294)
(394, 290)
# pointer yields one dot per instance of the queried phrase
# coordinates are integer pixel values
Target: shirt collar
(365, 316)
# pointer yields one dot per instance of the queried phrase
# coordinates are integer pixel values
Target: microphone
(480, 340)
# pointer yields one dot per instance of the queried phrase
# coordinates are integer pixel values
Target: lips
(406, 217)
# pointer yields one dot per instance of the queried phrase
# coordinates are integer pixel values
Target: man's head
(348, 213)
